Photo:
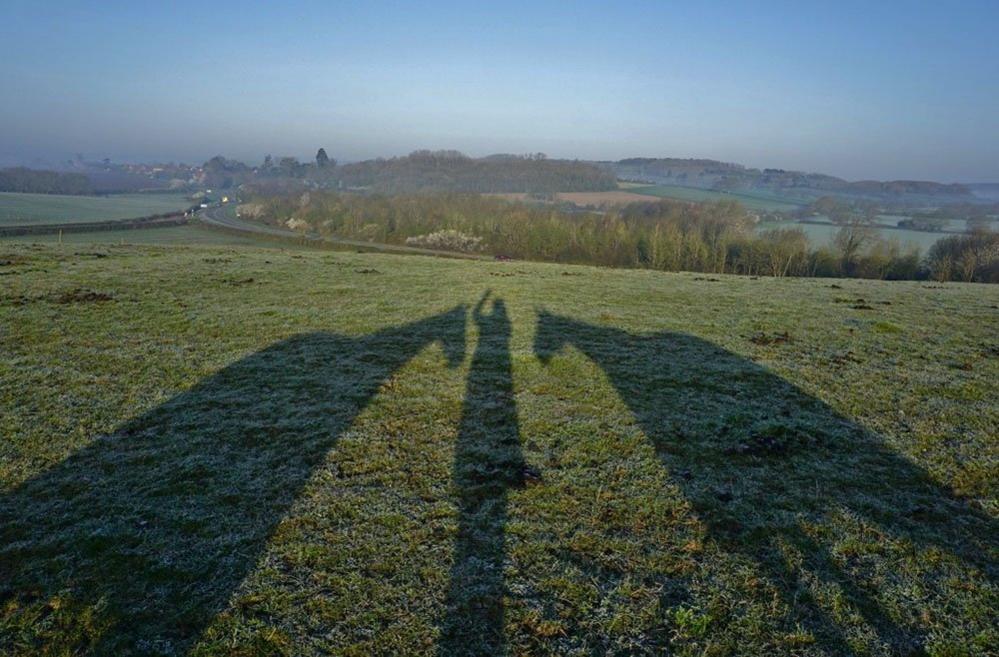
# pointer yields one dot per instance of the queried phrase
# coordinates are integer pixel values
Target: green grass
(227, 450)
(753, 201)
(825, 234)
(34, 209)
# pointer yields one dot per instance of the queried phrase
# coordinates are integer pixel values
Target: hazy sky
(857, 89)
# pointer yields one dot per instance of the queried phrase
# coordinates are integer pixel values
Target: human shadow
(487, 464)
(133, 544)
(764, 464)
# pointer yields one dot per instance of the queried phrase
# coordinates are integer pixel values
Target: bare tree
(856, 234)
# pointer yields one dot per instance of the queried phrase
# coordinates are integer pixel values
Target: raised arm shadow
(761, 461)
(147, 532)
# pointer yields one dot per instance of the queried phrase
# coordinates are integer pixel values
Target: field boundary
(750, 200)
(151, 221)
(942, 231)
(211, 219)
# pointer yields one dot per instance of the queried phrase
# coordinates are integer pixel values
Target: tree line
(36, 181)
(454, 171)
(420, 171)
(664, 235)
(972, 257)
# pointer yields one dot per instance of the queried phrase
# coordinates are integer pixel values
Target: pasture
(824, 234)
(191, 234)
(219, 450)
(599, 199)
(753, 201)
(38, 209)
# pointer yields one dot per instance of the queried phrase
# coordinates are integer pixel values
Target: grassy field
(755, 201)
(33, 209)
(190, 234)
(600, 199)
(235, 451)
(825, 234)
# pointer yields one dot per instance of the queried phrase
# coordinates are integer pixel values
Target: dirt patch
(15, 300)
(603, 199)
(762, 338)
(843, 358)
(82, 295)
(509, 196)
(860, 303)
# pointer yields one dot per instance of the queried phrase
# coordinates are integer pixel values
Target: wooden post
(60, 236)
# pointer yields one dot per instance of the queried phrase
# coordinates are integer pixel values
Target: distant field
(191, 234)
(39, 209)
(824, 234)
(751, 201)
(615, 197)
(236, 451)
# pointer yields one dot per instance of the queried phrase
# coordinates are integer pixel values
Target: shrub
(297, 224)
(447, 240)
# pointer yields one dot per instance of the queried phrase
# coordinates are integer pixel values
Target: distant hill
(454, 171)
(34, 181)
(985, 191)
(83, 180)
(119, 182)
(725, 176)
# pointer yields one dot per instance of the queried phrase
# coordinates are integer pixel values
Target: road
(218, 216)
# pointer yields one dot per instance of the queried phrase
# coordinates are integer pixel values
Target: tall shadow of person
(133, 544)
(766, 468)
(487, 463)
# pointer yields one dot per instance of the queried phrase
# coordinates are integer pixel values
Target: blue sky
(856, 89)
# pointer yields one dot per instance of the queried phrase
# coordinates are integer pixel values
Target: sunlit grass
(703, 487)
(31, 209)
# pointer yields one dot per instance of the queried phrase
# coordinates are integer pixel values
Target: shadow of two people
(158, 524)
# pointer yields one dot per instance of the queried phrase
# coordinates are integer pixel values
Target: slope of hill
(791, 185)
(33, 181)
(986, 191)
(250, 451)
(39, 209)
(453, 171)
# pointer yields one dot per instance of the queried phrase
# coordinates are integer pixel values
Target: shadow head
(551, 335)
